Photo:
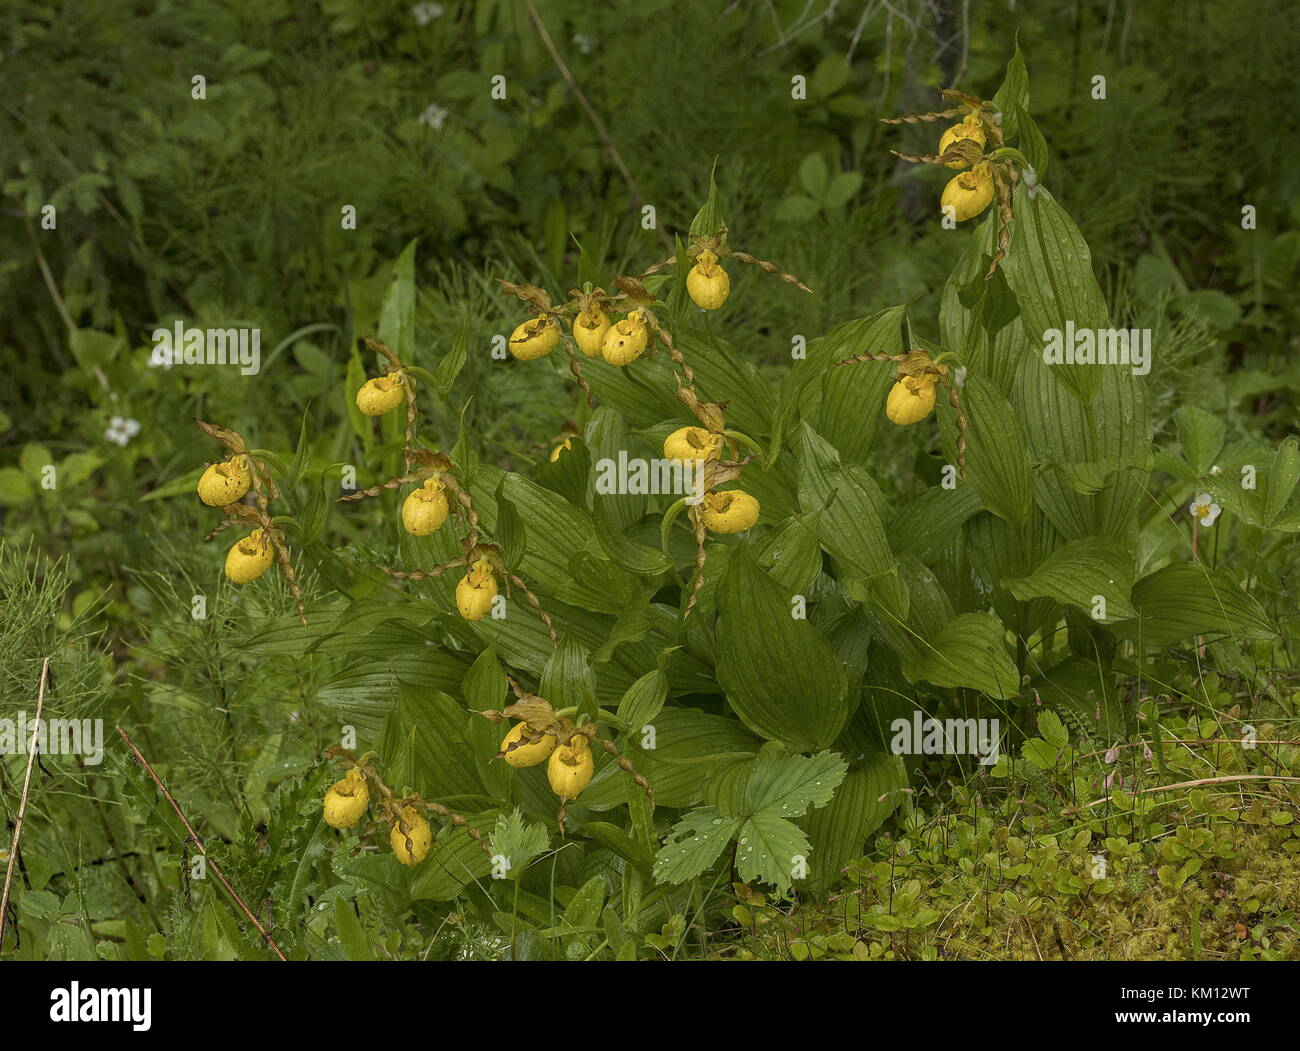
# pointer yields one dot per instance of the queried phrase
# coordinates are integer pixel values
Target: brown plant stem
(198, 843)
(22, 800)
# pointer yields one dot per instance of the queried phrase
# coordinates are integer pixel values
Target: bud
(707, 283)
(526, 754)
(692, 443)
(626, 341)
(426, 509)
(732, 511)
(571, 767)
(475, 593)
(249, 558)
(534, 339)
(589, 329)
(911, 399)
(970, 128)
(421, 837)
(224, 483)
(381, 394)
(969, 193)
(346, 800)
(566, 444)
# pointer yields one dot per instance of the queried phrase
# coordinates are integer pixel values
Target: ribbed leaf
(971, 652)
(780, 676)
(1186, 599)
(1080, 570)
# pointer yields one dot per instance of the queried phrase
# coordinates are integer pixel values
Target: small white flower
(120, 431)
(1204, 509)
(1216, 469)
(434, 116)
(583, 43)
(426, 12)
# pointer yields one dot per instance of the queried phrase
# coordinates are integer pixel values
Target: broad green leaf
(850, 525)
(997, 460)
(1185, 599)
(1013, 96)
(568, 681)
(839, 830)
(644, 700)
(1201, 434)
(781, 678)
(1076, 573)
(970, 652)
(484, 687)
(1049, 268)
(397, 317)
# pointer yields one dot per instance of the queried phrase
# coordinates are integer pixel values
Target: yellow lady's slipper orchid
(692, 443)
(969, 193)
(731, 511)
(526, 754)
(970, 128)
(381, 394)
(626, 341)
(534, 339)
(421, 837)
(424, 510)
(346, 800)
(589, 329)
(477, 591)
(707, 282)
(249, 558)
(224, 483)
(570, 767)
(911, 399)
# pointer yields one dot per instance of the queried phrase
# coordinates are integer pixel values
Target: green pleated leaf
(1201, 434)
(970, 651)
(997, 459)
(880, 333)
(850, 525)
(568, 681)
(425, 746)
(791, 555)
(1013, 95)
(1282, 479)
(687, 745)
(839, 830)
(933, 520)
(644, 700)
(1049, 268)
(1186, 599)
(1078, 572)
(780, 676)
